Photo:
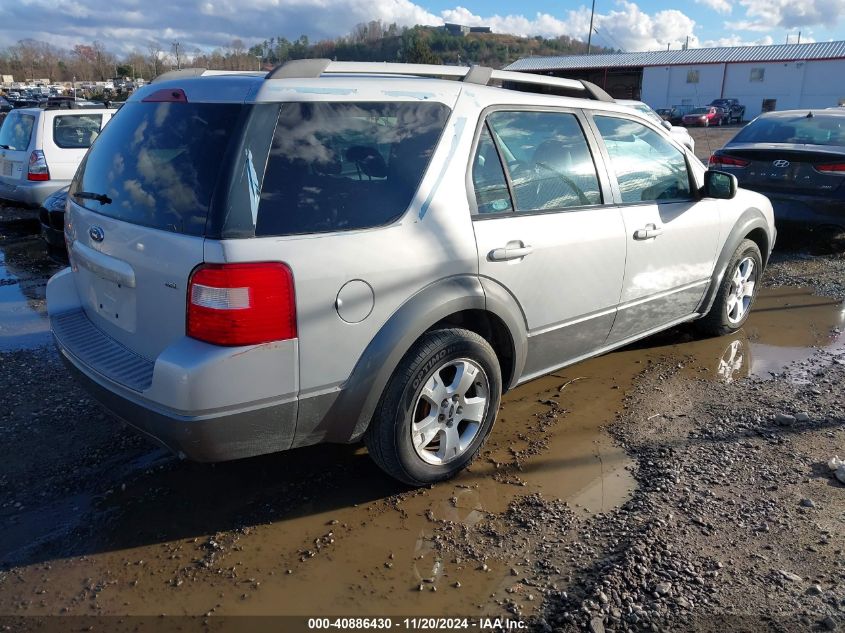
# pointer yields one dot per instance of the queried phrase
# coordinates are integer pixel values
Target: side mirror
(667, 125)
(720, 185)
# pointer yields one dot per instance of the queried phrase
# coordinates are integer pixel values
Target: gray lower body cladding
(219, 438)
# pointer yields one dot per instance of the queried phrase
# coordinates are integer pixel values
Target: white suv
(41, 149)
(340, 251)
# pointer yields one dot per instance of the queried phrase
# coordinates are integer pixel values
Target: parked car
(680, 134)
(734, 110)
(676, 117)
(704, 116)
(51, 215)
(412, 248)
(797, 159)
(5, 105)
(665, 114)
(41, 149)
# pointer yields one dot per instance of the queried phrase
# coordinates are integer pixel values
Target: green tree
(415, 50)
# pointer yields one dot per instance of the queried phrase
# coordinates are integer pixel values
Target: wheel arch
(751, 225)
(458, 301)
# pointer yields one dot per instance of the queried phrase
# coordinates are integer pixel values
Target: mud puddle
(322, 531)
(24, 271)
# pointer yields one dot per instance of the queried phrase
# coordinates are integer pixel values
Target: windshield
(700, 111)
(815, 130)
(16, 131)
(157, 164)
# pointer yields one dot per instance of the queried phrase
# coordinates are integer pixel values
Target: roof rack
(480, 75)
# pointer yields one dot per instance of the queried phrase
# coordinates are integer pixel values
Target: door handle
(510, 252)
(648, 232)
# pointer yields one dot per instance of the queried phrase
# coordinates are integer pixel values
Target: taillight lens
(241, 304)
(720, 160)
(38, 166)
(831, 168)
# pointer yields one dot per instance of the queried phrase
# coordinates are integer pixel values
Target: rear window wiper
(88, 195)
(5, 147)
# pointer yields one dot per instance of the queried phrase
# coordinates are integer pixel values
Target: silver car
(340, 251)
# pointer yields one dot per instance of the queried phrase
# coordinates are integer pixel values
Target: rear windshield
(16, 131)
(157, 164)
(341, 166)
(816, 130)
(76, 131)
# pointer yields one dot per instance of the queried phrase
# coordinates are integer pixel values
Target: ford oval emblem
(780, 163)
(96, 233)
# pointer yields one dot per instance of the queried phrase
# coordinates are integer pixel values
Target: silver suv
(341, 251)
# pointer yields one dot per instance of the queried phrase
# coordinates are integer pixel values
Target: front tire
(437, 409)
(737, 291)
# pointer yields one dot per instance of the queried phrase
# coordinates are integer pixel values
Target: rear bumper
(203, 402)
(806, 212)
(30, 193)
(213, 439)
(52, 227)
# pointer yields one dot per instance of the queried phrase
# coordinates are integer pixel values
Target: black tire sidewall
(412, 381)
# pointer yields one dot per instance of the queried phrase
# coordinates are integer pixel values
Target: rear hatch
(783, 168)
(15, 136)
(139, 207)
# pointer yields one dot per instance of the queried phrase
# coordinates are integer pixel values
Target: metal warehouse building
(763, 78)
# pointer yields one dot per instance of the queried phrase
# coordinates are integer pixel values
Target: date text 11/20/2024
(418, 624)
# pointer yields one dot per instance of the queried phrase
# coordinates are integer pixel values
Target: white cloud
(626, 27)
(719, 6)
(125, 24)
(736, 40)
(766, 15)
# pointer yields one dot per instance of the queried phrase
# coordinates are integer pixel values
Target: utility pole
(259, 58)
(590, 34)
(178, 62)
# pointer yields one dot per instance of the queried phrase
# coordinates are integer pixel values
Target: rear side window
(548, 160)
(342, 166)
(16, 131)
(157, 164)
(76, 131)
(647, 166)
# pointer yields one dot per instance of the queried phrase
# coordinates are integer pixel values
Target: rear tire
(734, 298)
(437, 409)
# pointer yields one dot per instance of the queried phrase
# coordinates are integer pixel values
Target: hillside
(375, 42)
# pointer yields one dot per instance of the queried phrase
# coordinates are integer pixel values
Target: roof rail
(480, 75)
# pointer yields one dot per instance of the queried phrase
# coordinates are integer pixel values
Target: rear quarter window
(76, 131)
(343, 166)
(16, 131)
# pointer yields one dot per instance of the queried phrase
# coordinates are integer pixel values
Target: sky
(630, 25)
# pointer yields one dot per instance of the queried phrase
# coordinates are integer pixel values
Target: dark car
(5, 105)
(51, 214)
(797, 159)
(677, 112)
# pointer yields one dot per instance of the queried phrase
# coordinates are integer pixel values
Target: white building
(778, 77)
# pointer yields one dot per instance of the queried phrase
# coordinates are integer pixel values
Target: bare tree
(154, 56)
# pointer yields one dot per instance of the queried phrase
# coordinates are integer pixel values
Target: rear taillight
(831, 168)
(721, 160)
(241, 304)
(37, 166)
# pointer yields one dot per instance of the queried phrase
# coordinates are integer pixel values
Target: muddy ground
(678, 484)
